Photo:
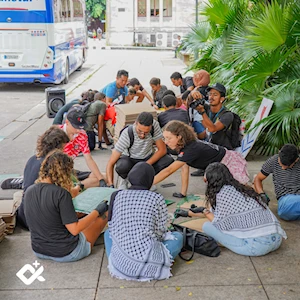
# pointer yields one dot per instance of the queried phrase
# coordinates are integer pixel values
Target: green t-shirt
(95, 109)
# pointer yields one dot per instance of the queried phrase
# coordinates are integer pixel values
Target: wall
(123, 25)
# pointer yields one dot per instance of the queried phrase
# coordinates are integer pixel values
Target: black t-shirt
(48, 208)
(221, 137)
(199, 154)
(186, 83)
(31, 174)
(173, 114)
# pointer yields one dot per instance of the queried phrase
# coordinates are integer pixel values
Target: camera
(197, 102)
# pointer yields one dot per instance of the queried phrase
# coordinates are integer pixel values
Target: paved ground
(230, 276)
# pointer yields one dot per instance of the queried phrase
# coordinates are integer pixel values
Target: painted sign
(250, 138)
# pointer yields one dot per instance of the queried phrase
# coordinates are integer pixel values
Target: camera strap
(216, 115)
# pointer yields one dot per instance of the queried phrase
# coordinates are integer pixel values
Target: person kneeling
(239, 219)
(56, 232)
(138, 245)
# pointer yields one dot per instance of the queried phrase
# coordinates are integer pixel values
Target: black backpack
(84, 105)
(131, 135)
(234, 132)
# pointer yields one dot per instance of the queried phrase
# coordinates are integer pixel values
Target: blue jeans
(174, 246)
(82, 250)
(289, 207)
(250, 247)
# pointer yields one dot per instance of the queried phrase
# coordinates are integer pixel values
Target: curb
(38, 111)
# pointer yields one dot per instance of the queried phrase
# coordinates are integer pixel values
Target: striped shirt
(141, 148)
(286, 182)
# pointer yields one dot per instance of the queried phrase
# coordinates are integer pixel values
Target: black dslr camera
(197, 102)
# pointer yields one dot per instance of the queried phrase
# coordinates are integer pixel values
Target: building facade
(148, 22)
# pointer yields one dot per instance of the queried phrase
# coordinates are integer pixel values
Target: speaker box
(55, 99)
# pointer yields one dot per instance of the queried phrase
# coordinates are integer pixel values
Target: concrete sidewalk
(229, 276)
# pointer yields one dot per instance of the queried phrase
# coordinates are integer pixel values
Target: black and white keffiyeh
(242, 216)
(137, 228)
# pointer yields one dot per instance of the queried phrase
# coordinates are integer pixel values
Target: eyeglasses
(140, 132)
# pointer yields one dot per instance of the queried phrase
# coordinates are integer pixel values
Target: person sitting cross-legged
(238, 217)
(56, 232)
(285, 168)
(137, 243)
(135, 144)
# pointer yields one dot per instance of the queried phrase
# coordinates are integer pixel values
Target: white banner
(250, 138)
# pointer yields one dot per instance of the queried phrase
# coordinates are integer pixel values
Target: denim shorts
(82, 250)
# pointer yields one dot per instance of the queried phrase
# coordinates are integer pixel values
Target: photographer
(218, 119)
(198, 96)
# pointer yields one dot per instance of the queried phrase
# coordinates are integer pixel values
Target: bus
(41, 41)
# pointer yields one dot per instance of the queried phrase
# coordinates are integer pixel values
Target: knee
(207, 226)
(123, 166)
(179, 238)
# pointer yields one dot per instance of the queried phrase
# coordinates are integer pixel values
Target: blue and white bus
(41, 41)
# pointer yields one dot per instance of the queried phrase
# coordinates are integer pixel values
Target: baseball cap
(218, 87)
(76, 117)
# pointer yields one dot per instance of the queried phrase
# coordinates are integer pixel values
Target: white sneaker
(123, 185)
(153, 188)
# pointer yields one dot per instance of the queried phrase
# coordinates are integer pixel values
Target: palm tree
(253, 48)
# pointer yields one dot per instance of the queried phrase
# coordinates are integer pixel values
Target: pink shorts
(237, 166)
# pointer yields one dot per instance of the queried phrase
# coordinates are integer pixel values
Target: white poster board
(250, 138)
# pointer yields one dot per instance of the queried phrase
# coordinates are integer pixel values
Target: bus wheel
(67, 74)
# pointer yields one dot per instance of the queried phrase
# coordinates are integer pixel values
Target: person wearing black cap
(74, 128)
(219, 119)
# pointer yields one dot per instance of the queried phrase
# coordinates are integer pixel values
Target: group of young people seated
(138, 244)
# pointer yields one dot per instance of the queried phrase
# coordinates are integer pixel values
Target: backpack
(234, 132)
(84, 105)
(131, 135)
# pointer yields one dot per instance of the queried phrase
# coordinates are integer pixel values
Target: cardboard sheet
(195, 224)
(90, 198)
(187, 205)
(8, 207)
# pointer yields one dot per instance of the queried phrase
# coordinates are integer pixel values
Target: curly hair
(183, 130)
(58, 167)
(53, 138)
(218, 175)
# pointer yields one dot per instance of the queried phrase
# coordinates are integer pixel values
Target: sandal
(178, 195)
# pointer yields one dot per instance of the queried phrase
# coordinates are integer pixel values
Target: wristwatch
(202, 112)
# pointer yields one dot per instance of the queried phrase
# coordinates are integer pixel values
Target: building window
(154, 8)
(142, 5)
(167, 8)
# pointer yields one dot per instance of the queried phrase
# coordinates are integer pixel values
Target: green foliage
(253, 48)
(96, 8)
